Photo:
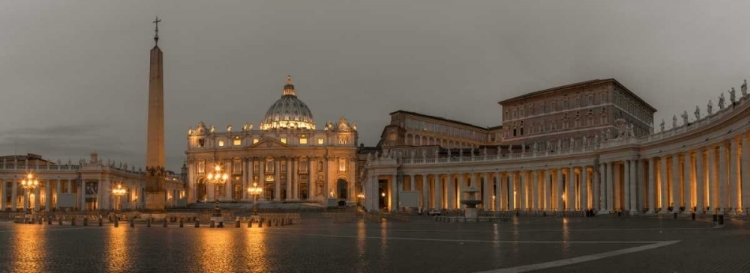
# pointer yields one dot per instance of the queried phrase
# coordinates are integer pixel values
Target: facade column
(535, 190)
(675, 182)
(438, 191)
(745, 170)
(651, 186)
(277, 180)
(262, 178)
(82, 195)
(722, 182)
(733, 198)
(663, 184)
(700, 181)
(584, 189)
(57, 193)
(3, 190)
(289, 190)
(610, 187)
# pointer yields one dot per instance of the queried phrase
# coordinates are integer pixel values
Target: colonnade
(710, 177)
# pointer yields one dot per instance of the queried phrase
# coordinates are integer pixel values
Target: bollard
(100, 222)
(59, 221)
(180, 222)
(250, 223)
(692, 216)
(283, 222)
(85, 221)
(716, 218)
(721, 219)
(148, 222)
(73, 221)
(213, 224)
(41, 220)
(260, 223)
(117, 223)
(221, 224)
(132, 223)
(237, 223)
(675, 215)
(165, 222)
(49, 220)
(197, 223)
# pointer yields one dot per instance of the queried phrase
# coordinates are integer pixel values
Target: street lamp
(29, 183)
(360, 197)
(217, 177)
(118, 192)
(255, 191)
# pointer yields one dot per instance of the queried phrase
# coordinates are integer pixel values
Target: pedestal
(155, 200)
(470, 214)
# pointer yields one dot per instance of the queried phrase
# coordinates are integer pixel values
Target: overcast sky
(74, 74)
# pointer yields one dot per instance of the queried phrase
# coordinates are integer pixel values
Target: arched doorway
(200, 191)
(342, 189)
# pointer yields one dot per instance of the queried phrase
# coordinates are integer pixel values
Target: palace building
(583, 146)
(286, 155)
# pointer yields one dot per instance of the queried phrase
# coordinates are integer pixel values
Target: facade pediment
(268, 143)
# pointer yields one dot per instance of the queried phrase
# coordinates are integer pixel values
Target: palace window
(237, 141)
(342, 140)
(221, 143)
(237, 166)
(320, 141)
(320, 165)
(256, 166)
(255, 140)
(201, 142)
(283, 140)
(303, 140)
(269, 166)
(303, 166)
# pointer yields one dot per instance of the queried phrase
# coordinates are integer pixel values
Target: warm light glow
(303, 141)
(283, 140)
(29, 182)
(382, 194)
(119, 190)
(284, 124)
(361, 195)
(320, 141)
(217, 176)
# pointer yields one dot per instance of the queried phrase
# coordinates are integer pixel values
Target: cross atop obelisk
(156, 35)
(155, 135)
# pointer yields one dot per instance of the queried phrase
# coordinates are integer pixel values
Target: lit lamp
(255, 191)
(119, 191)
(360, 196)
(29, 183)
(217, 177)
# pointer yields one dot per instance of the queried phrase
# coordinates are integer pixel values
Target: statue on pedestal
(559, 145)
(674, 121)
(685, 118)
(710, 107)
(732, 97)
(721, 101)
(697, 113)
(229, 128)
(572, 143)
(662, 125)
(743, 88)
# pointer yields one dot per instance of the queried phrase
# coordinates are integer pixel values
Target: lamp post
(255, 191)
(217, 177)
(118, 192)
(360, 198)
(29, 183)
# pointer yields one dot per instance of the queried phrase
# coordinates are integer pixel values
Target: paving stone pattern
(422, 245)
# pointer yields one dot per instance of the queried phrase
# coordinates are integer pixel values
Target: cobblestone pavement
(320, 245)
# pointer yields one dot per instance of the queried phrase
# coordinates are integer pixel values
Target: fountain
(471, 202)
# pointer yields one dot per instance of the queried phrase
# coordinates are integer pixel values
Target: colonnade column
(289, 190)
(512, 192)
(571, 192)
(626, 184)
(745, 204)
(651, 186)
(14, 196)
(262, 178)
(663, 184)
(633, 180)
(559, 190)
(47, 195)
(487, 192)
(460, 190)
(722, 182)
(425, 191)
(523, 190)
(394, 192)
(547, 194)
(733, 189)
(2, 195)
(535, 190)
(584, 188)
(687, 182)
(700, 181)
(595, 191)
(438, 182)
(675, 182)
(277, 181)
(450, 197)
(498, 191)
(610, 187)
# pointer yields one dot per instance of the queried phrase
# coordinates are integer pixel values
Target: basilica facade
(286, 155)
(584, 146)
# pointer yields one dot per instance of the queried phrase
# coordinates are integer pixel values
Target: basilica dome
(288, 112)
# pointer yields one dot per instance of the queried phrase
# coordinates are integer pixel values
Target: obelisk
(155, 136)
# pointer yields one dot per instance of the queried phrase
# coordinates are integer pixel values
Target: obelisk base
(155, 201)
